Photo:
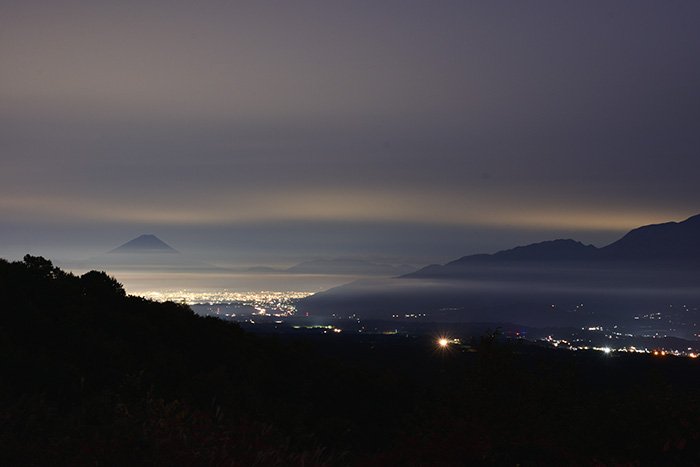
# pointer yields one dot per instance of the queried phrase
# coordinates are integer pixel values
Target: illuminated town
(262, 302)
(259, 309)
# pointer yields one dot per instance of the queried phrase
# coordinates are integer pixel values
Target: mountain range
(147, 252)
(558, 282)
(146, 243)
(671, 242)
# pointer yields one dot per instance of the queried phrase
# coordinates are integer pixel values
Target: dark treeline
(91, 376)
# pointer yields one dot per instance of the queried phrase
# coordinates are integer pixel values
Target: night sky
(272, 132)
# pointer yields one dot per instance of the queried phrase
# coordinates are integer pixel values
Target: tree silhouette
(99, 285)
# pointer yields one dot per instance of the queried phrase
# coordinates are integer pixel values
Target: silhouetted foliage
(91, 376)
(101, 286)
(41, 267)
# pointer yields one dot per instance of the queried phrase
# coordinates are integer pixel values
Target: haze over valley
(643, 285)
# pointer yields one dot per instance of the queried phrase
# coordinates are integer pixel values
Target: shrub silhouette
(99, 285)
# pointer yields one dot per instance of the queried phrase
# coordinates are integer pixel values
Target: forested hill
(91, 376)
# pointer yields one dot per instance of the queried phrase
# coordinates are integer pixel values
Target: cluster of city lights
(564, 344)
(325, 328)
(263, 302)
(267, 305)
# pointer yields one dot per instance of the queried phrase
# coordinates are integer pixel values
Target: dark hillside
(669, 241)
(91, 376)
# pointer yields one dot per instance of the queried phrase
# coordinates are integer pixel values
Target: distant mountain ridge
(146, 252)
(146, 243)
(670, 241)
(561, 249)
(557, 283)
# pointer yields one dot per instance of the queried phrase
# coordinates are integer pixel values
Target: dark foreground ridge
(91, 376)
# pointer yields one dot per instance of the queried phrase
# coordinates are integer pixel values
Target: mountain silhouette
(147, 243)
(562, 249)
(145, 253)
(543, 284)
(670, 242)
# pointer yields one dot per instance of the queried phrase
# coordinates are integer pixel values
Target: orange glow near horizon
(331, 206)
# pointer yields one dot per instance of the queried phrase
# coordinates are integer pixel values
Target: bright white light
(442, 342)
(607, 349)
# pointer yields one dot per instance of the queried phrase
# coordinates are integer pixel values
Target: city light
(263, 302)
(443, 342)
